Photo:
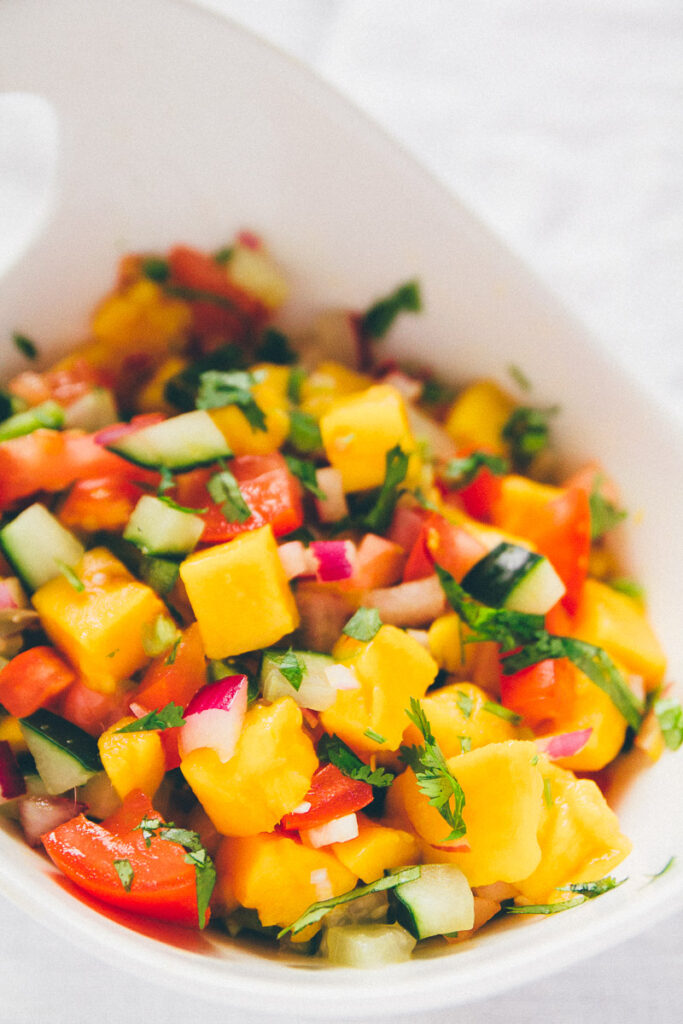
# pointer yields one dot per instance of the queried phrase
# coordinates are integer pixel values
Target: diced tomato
(332, 795)
(163, 884)
(200, 272)
(542, 693)
(136, 806)
(31, 679)
(479, 497)
(269, 489)
(406, 525)
(379, 563)
(91, 710)
(63, 385)
(451, 546)
(102, 503)
(177, 682)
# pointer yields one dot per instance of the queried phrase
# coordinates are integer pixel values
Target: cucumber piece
(368, 945)
(48, 414)
(159, 529)
(37, 546)
(159, 573)
(315, 691)
(65, 755)
(513, 577)
(92, 411)
(439, 902)
(180, 443)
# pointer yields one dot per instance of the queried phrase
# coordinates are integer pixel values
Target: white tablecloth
(561, 123)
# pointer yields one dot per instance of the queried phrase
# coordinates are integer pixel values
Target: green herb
(534, 759)
(297, 375)
(604, 514)
(333, 750)
(364, 624)
(669, 714)
(435, 392)
(225, 491)
(275, 347)
(662, 871)
(584, 891)
(25, 345)
(173, 653)
(224, 255)
(547, 793)
(380, 316)
(179, 291)
(519, 377)
(7, 404)
(158, 636)
(125, 872)
(378, 518)
(375, 736)
(304, 432)
(155, 268)
(220, 388)
(48, 414)
(167, 717)
(433, 776)
(628, 587)
(318, 910)
(305, 471)
(465, 744)
(180, 508)
(291, 667)
(464, 702)
(547, 908)
(592, 889)
(181, 389)
(461, 472)
(527, 432)
(501, 712)
(72, 578)
(166, 480)
(205, 873)
(508, 628)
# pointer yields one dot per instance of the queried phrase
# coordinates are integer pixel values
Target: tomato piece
(64, 384)
(177, 682)
(332, 795)
(91, 710)
(540, 693)
(102, 503)
(451, 546)
(163, 884)
(479, 497)
(31, 679)
(201, 273)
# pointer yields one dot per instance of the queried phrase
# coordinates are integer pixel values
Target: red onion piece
(214, 717)
(339, 830)
(333, 506)
(11, 780)
(296, 559)
(40, 814)
(11, 594)
(564, 744)
(336, 559)
(409, 604)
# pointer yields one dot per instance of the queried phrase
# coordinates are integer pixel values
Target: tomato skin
(177, 682)
(200, 272)
(479, 497)
(90, 710)
(332, 795)
(100, 503)
(541, 693)
(451, 546)
(31, 679)
(163, 885)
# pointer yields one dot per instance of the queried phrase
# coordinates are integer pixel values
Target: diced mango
(617, 623)
(254, 272)
(132, 760)
(329, 381)
(280, 878)
(242, 438)
(457, 711)
(478, 415)
(376, 849)
(391, 668)
(101, 628)
(276, 379)
(503, 790)
(579, 836)
(142, 317)
(268, 775)
(446, 635)
(151, 398)
(359, 430)
(592, 709)
(10, 732)
(239, 594)
(519, 499)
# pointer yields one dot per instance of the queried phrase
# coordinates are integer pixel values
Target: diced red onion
(410, 604)
(341, 678)
(40, 814)
(214, 717)
(333, 506)
(564, 744)
(11, 593)
(457, 846)
(11, 780)
(296, 559)
(339, 830)
(336, 559)
(424, 428)
(409, 387)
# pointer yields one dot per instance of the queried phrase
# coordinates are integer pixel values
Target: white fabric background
(560, 122)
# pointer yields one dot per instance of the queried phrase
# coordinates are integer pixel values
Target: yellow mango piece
(579, 836)
(254, 272)
(503, 790)
(280, 878)
(142, 317)
(101, 628)
(478, 415)
(132, 760)
(268, 775)
(593, 709)
(617, 623)
(391, 668)
(459, 710)
(330, 380)
(151, 397)
(519, 497)
(376, 849)
(445, 638)
(276, 379)
(359, 430)
(10, 732)
(239, 594)
(244, 439)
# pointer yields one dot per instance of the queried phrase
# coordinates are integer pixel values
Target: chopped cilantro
(297, 375)
(318, 910)
(364, 624)
(669, 714)
(464, 702)
(584, 891)
(305, 471)
(547, 793)
(604, 514)
(527, 432)
(125, 872)
(333, 750)
(547, 908)
(465, 744)
(434, 778)
(501, 712)
(158, 636)
(519, 377)
(218, 388)
(181, 389)
(275, 347)
(435, 392)
(377, 520)
(167, 717)
(461, 472)
(304, 432)
(72, 578)
(291, 667)
(180, 508)
(225, 491)
(205, 873)
(380, 316)
(224, 254)
(27, 347)
(375, 736)
(155, 269)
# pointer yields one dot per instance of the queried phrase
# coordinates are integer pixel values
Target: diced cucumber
(159, 573)
(92, 411)
(65, 755)
(315, 691)
(38, 546)
(99, 796)
(368, 945)
(513, 577)
(159, 529)
(179, 443)
(439, 902)
(48, 414)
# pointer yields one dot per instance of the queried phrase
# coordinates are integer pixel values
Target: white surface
(561, 125)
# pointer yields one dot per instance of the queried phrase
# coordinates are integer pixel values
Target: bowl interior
(209, 130)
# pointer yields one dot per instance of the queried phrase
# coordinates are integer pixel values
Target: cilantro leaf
(275, 347)
(464, 702)
(584, 891)
(25, 345)
(218, 388)
(461, 472)
(604, 514)
(547, 908)
(166, 480)
(508, 628)
(669, 714)
(336, 752)
(318, 910)
(433, 775)
(167, 500)
(364, 624)
(629, 587)
(527, 432)
(71, 576)
(501, 712)
(297, 375)
(225, 491)
(154, 268)
(305, 471)
(519, 377)
(291, 667)
(125, 872)
(378, 518)
(181, 389)
(167, 717)
(304, 432)
(377, 320)
(205, 872)
(435, 392)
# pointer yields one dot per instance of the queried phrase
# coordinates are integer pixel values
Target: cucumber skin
(496, 576)
(65, 736)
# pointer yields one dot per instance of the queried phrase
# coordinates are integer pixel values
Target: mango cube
(239, 594)
(458, 711)
(242, 438)
(376, 849)
(132, 760)
(330, 380)
(478, 415)
(101, 627)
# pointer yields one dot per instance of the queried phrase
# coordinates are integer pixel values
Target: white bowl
(157, 122)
